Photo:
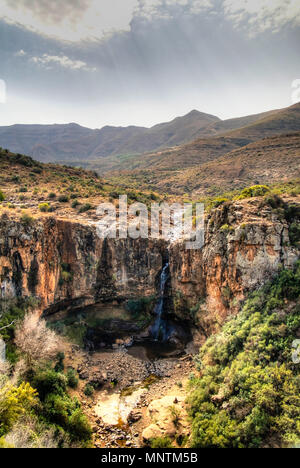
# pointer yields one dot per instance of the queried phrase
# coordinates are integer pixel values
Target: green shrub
(85, 208)
(26, 219)
(44, 207)
(72, 378)
(52, 195)
(75, 204)
(23, 190)
(37, 170)
(294, 233)
(226, 228)
(219, 201)
(11, 312)
(161, 442)
(89, 390)
(66, 277)
(79, 427)
(14, 402)
(59, 366)
(2, 197)
(49, 381)
(254, 191)
(140, 309)
(63, 199)
(274, 201)
(249, 386)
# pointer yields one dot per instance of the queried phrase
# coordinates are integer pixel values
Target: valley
(138, 321)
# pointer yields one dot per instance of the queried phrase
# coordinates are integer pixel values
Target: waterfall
(2, 351)
(158, 326)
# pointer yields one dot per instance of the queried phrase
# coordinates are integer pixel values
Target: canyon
(67, 267)
(136, 312)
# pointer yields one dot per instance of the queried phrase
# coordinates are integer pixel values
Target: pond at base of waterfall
(111, 326)
(153, 350)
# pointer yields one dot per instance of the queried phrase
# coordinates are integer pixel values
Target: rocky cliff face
(245, 246)
(65, 264)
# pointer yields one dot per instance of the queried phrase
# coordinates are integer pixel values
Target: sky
(141, 62)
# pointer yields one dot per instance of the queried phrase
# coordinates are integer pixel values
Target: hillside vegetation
(36, 408)
(72, 192)
(247, 391)
(214, 168)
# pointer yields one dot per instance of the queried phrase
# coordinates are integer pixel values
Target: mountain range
(197, 153)
(72, 143)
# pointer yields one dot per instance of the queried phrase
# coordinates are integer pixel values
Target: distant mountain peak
(196, 113)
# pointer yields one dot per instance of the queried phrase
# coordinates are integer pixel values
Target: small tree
(35, 340)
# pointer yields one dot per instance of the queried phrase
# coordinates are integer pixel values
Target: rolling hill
(270, 160)
(179, 169)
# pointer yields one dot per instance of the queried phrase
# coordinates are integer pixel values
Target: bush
(49, 381)
(11, 313)
(85, 208)
(89, 390)
(14, 401)
(63, 199)
(294, 233)
(65, 277)
(75, 204)
(52, 195)
(161, 442)
(274, 201)
(226, 228)
(78, 426)
(219, 201)
(249, 386)
(140, 308)
(26, 219)
(44, 207)
(72, 378)
(37, 170)
(2, 197)
(58, 408)
(23, 190)
(254, 191)
(59, 366)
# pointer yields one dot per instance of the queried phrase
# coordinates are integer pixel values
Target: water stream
(158, 330)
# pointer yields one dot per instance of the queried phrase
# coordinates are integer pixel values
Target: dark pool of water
(153, 350)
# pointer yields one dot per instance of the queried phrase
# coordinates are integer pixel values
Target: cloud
(63, 61)
(76, 20)
(21, 53)
(51, 11)
(70, 20)
(255, 16)
(262, 15)
(164, 9)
